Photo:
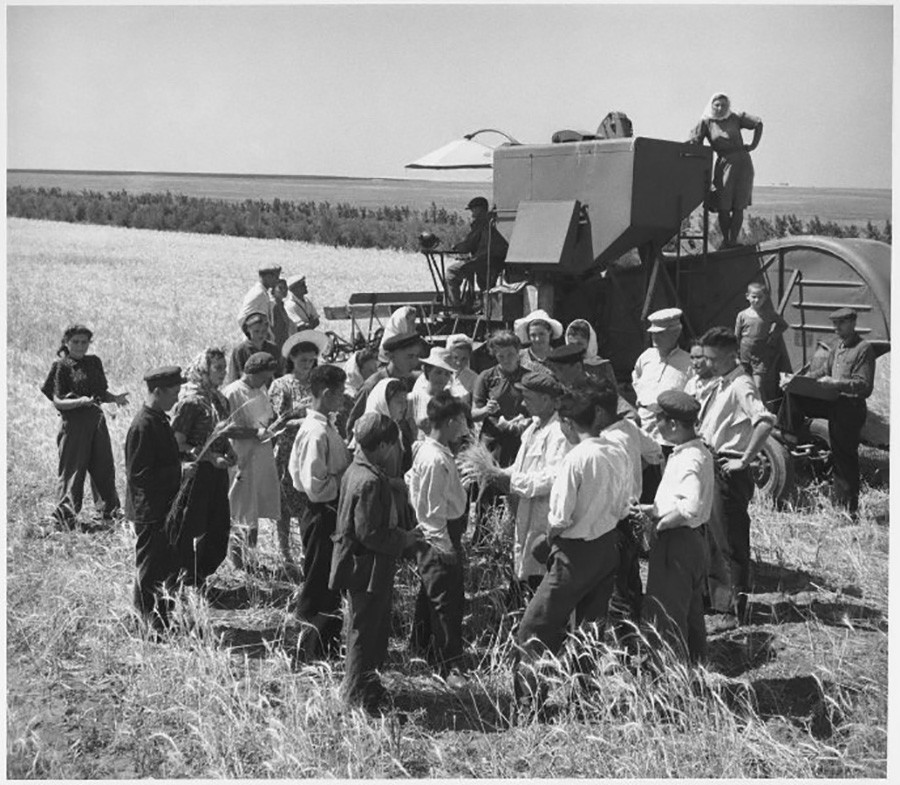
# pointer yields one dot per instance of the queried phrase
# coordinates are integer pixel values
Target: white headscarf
(590, 356)
(401, 321)
(354, 376)
(377, 400)
(709, 113)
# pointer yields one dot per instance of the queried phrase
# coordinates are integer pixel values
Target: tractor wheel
(774, 474)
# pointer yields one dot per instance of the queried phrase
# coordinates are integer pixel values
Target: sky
(361, 90)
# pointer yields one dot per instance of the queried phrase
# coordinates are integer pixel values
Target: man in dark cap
(153, 472)
(367, 544)
(403, 352)
(486, 248)
(847, 377)
(256, 300)
(567, 365)
(682, 505)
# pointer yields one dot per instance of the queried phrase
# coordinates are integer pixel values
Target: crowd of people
(392, 454)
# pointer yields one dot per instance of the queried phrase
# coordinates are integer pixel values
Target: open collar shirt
(318, 459)
(731, 411)
(654, 373)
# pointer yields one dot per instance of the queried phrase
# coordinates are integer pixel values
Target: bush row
(339, 224)
(315, 222)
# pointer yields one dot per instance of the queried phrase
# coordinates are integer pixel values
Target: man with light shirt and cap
(256, 300)
(299, 308)
(531, 475)
(486, 248)
(848, 372)
(403, 358)
(664, 366)
(734, 424)
(679, 513)
(153, 473)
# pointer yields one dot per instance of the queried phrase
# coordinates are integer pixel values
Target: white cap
(665, 319)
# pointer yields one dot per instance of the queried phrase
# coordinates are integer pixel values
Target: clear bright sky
(361, 90)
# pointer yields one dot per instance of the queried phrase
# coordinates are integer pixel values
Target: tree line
(340, 224)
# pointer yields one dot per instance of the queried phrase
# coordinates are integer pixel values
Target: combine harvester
(587, 222)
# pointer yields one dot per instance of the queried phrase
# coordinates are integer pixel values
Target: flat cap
(569, 354)
(165, 376)
(253, 318)
(540, 382)
(259, 362)
(371, 429)
(270, 268)
(678, 405)
(401, 341)
(665, 319)
(477, 201)
(842, 313)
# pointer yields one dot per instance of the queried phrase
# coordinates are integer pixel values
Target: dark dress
(204, 521)
(153, 475)
(83, 439)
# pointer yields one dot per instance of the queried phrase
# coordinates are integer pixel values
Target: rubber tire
(777, 478)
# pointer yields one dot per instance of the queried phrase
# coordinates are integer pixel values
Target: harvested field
(799, 692)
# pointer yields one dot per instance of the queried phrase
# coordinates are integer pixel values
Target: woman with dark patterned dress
(290, 395)
(77, 386)
(733, 174)
(202, 543)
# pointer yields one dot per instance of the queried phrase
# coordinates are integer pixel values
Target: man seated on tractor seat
(483, 243)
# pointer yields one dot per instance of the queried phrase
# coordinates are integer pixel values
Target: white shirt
(592, 492)
(639, 445)
(318, 458)
(435, 491)
(687, 484)
(731, 411)
(700, 388)
(531, 477)
(255, 301)
(299, 310)
(654, 373)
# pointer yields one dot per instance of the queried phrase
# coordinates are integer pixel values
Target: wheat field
(800, 692)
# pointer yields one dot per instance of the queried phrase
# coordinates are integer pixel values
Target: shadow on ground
(438, 708)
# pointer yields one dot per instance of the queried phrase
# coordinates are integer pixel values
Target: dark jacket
(366, 545)
(152, 467)
(476, 242)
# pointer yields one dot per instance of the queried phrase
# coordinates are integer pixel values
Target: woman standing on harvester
(77, 386)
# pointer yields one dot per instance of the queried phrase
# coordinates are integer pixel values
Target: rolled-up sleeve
(750, 402)
(563, 496)
(540, 482)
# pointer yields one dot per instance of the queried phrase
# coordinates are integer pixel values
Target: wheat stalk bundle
(476, 462)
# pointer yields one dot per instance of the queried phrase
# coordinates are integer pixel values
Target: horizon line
(262, 176)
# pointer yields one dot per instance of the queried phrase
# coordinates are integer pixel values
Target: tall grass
(799, 693)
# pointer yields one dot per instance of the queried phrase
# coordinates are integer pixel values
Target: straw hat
(540, 315)
(319, 339)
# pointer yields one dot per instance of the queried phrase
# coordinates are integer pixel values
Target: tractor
(601, 229)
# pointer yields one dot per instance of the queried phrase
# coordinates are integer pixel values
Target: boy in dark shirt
(367, 545)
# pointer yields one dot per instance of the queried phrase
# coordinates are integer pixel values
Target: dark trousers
(846, 418)
(84, 448)
(156, 563)
(203, 542)
(437, 624)
(627, 598)
(580, 578)
(472, 271)
(729, 541)
(368, 627)
(675, 582)
(318, 604)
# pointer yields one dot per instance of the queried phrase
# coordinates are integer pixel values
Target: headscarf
(197, 375)
(378, 400)
(401, 321)
(590, 356)
(709, 113)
